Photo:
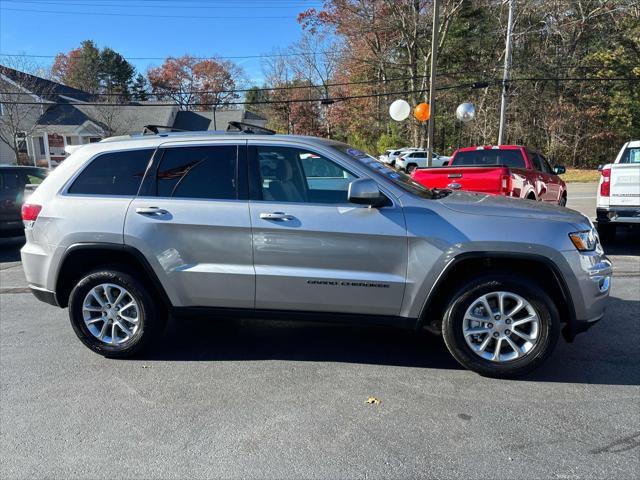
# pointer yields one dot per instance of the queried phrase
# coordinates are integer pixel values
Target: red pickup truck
(510, 170)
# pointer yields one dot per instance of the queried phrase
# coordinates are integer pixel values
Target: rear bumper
(44, 295)
(616, 215)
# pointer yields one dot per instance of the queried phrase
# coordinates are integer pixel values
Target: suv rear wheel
(501, 326)
(113, 313)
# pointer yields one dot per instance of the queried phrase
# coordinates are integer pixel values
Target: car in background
(618, 196)
(411, 161)
(507, 170)
(384, 158)
(16, 183)
(394, 155)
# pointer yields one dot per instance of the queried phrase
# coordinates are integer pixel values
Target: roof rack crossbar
(249, 128)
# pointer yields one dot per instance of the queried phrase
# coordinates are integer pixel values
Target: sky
(153, 28)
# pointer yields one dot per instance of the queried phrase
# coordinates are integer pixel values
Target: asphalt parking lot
(254, 399)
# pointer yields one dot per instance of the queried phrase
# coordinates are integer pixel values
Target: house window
(41, 145)
(21, 140)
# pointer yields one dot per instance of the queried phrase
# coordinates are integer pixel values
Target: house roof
(47, 89)
(218, 120)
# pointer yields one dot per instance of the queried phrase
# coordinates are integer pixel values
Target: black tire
(412, 167)
(607, 232)
(563, 201)
(151, 321)
(452, 327)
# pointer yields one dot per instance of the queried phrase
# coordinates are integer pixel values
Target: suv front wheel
(113, 313)
(501, 326)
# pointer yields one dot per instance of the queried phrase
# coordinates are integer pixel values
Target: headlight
(585, 241)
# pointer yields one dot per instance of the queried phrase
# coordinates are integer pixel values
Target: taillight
(605, 186)
(505, 185)
(30, 212)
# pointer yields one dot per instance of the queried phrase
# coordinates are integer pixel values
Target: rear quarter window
(117, 173)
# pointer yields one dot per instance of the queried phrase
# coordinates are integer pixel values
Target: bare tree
(24, 98)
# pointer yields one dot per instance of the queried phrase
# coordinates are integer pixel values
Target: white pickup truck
(619, 191)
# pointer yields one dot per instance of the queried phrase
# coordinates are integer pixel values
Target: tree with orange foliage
(196, 84)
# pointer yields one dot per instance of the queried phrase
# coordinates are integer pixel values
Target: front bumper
(616, 215)
(589, 286)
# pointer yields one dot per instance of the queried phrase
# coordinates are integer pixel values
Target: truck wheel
(114, 314)
(606, 232)
(563, 201)
(501, 326)
(411, 168)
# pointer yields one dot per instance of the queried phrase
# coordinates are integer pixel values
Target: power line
(149, 15)
(337, 99)
(261, 89)
(341, 84)
(260, 5)
(231, 57)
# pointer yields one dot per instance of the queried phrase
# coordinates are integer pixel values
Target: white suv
(409, 161)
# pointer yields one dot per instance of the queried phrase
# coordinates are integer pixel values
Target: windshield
(479, 158)
(400, 179)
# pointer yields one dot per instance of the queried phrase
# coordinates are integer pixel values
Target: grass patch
(575, 175)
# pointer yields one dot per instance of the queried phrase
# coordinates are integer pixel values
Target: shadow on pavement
(10, 249)
(225, 339)
(603, 355)
(627, 242)
(608, 353)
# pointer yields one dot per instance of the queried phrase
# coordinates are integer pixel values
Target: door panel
(332, 256)
(200, 248)
(329, 258)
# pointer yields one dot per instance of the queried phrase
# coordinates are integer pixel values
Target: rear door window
(199, 172)
(536, 160)
(116, 173)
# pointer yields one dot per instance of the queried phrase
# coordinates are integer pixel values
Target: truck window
(631, 155)
(479, 158)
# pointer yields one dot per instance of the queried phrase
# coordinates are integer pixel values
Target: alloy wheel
(111, 314)
(501, 327)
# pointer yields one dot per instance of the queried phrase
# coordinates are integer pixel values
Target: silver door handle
(151, 211)
(276, 216)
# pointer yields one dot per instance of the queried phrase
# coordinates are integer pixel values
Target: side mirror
(559, 169)
(365, 191)
(600, 167)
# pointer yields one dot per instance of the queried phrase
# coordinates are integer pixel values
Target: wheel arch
(537, 267)
(81, 258)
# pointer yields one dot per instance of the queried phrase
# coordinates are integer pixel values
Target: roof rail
(155, 129)
(249, 128)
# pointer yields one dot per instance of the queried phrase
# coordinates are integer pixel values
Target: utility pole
(505, 75)
(432, 87)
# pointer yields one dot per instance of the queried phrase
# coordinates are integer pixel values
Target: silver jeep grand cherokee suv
(127, 232)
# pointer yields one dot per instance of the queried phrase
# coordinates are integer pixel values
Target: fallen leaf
(372, 401)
